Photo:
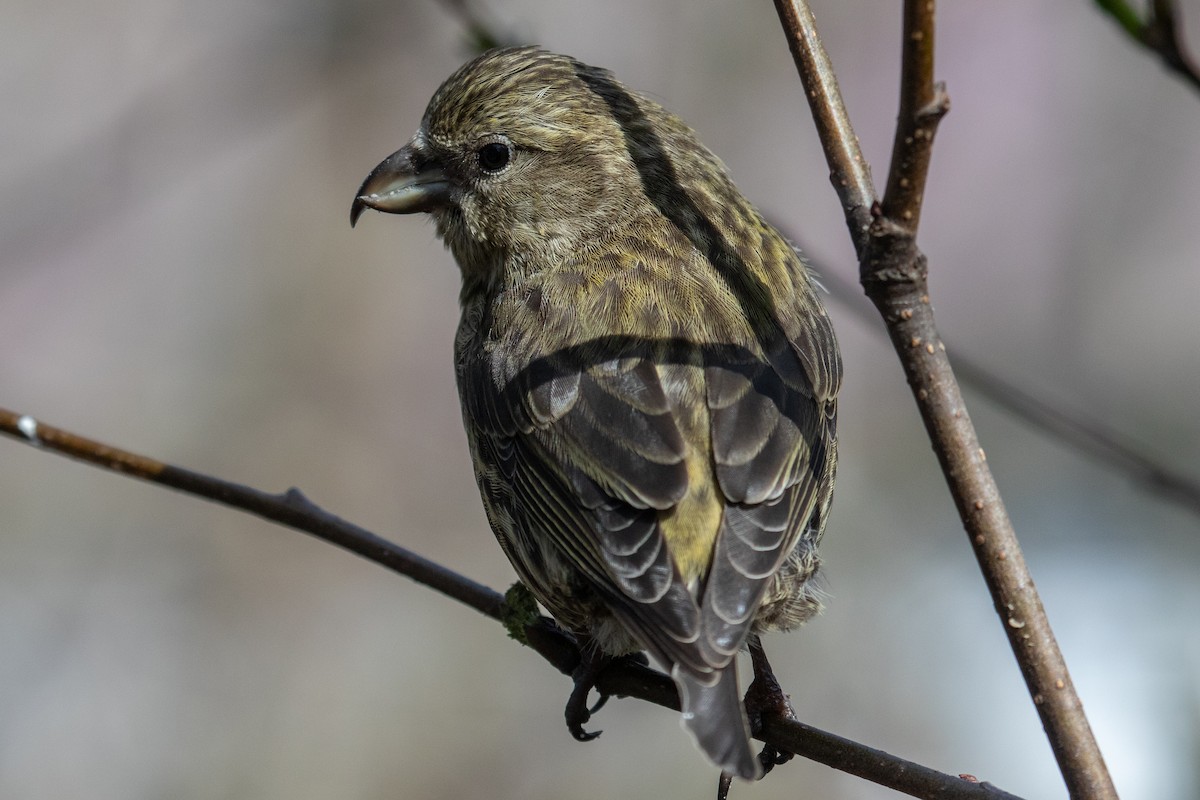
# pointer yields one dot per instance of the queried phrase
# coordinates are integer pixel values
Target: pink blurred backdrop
(178, 276)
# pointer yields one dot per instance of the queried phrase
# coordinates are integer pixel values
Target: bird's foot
(577, 711)
(591, 666)
(765, 698)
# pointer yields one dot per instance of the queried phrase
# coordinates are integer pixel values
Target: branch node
(295, 499)
(28, 426)
(939, 106)
(892, 258)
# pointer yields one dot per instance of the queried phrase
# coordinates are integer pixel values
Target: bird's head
(518, 159)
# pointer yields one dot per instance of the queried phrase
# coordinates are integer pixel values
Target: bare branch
(856, 759)
(922, 106)
(1160, 33)
(893, 272)
(482, 34)
(1086, 435)
(290, 508)
(626, 679)
(848, 168)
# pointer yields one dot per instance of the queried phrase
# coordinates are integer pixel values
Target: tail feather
(714, 716)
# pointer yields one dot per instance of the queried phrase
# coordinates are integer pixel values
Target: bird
(647, 374)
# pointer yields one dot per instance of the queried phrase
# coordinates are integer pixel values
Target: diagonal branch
(1091, 438)
(848, 168)
(893, 272)
(626, 679)
(1160, 33)
(482, 35)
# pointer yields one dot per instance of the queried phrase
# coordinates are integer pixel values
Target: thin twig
(848, 168)
(1086, 435)
(624, 678)
(482, 34)
(893, 272)
(289, 508)
(922, 106)
(1160, 33)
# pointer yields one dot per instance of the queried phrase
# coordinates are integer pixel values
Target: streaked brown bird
(648, 377)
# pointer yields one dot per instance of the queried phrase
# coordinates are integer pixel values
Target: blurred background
(178, 277)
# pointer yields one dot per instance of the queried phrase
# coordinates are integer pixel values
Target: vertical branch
(893, 272)
(922, 105)
(849, 171)
(1160, 32)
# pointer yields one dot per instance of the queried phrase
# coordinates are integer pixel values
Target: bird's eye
(494, 156)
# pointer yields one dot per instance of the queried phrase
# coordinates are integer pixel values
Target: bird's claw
(600, 702)
(771, 757)
(723, 785)
(577, 711)
(765, 698)
(585, 676)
